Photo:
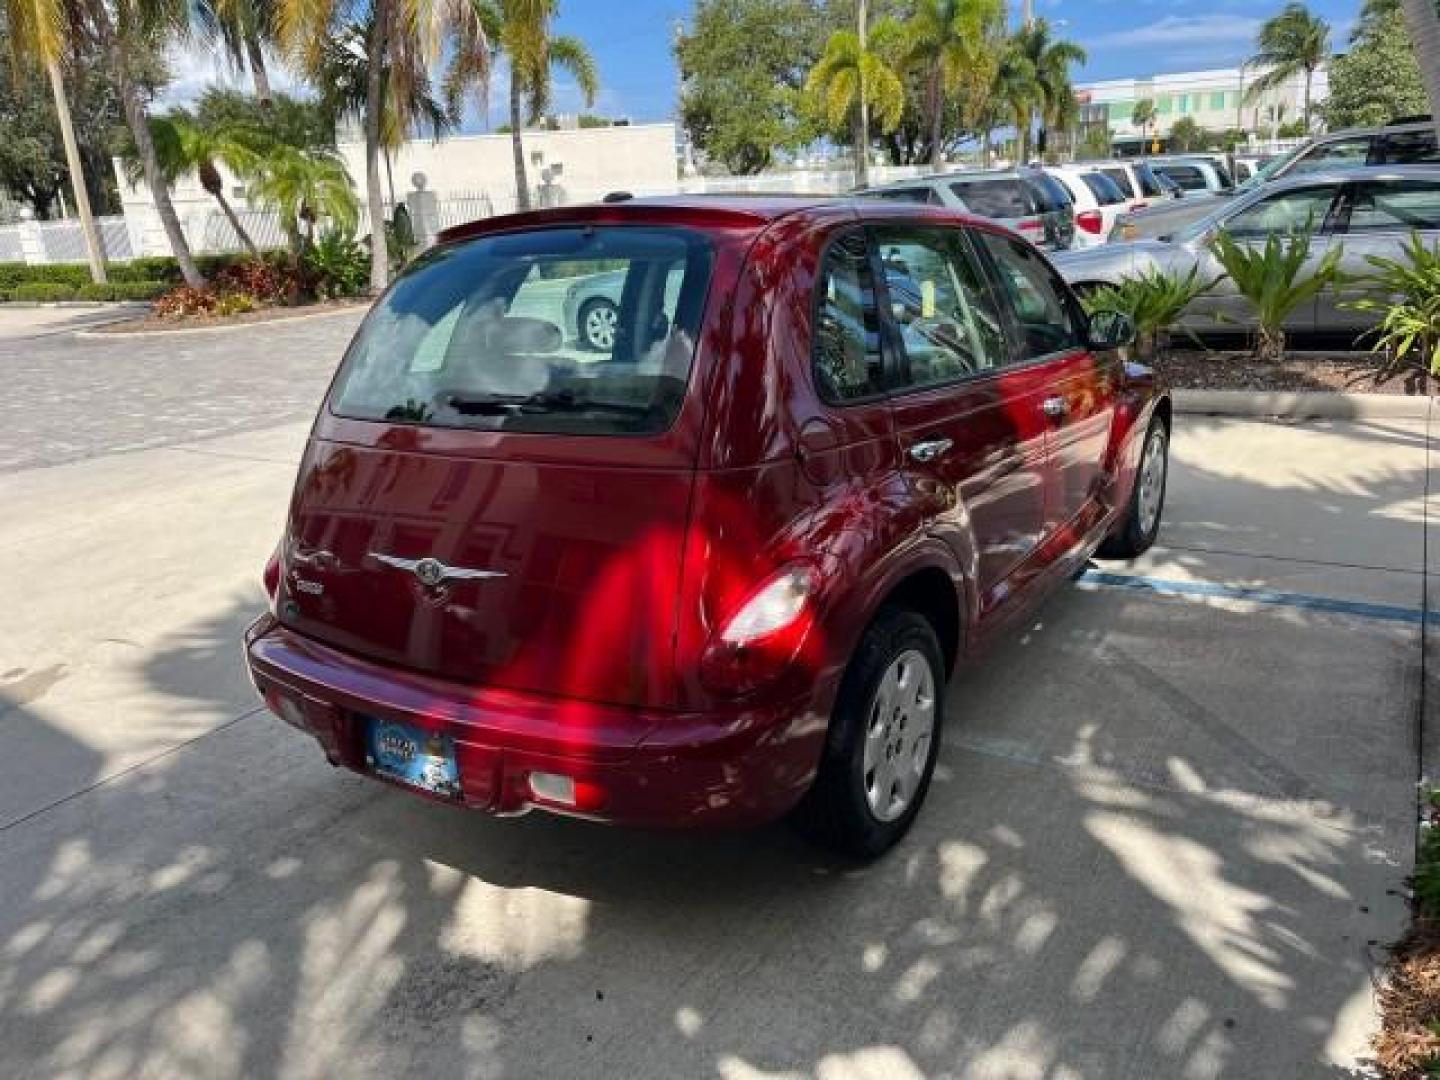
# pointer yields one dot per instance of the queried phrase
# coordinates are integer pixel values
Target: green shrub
(1405, 294)
(337, 265)
(122, 290)
(44, 291)
(14, 274)
(1154, 300)
(1273, 279)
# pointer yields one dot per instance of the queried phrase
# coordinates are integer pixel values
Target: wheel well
(931, 593)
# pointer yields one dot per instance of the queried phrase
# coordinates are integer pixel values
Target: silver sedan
(1364, 211)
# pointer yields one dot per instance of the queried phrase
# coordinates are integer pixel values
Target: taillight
(270, 578)
(1090, 221)
(1031, 225)
(764, 635)
(1141, 205)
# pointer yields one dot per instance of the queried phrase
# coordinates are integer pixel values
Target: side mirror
(1110, 330)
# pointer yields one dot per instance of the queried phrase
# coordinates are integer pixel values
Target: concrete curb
(349, 309)
(86, 305)
(1303, 405)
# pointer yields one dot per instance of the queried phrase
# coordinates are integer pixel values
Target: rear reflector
(1030, 225)
(286, 708)
(1090, 221)
(566, 791)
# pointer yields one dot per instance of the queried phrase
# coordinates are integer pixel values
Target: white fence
(208, 231)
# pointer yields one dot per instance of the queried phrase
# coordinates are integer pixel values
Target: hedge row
(162, 268)
(46, 291)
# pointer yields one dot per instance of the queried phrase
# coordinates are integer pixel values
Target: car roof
(959, 174)
(1377, 129)
(1354, 172)
(727, 211)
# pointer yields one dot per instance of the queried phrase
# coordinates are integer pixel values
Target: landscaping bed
(1408, 1045)
(1325, 372)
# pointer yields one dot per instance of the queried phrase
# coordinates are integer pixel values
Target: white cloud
(1181, 32)
(195, 68)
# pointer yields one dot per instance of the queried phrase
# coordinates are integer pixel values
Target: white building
(1213, 99)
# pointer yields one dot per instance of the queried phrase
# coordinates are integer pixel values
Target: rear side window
(1188, 177)
(1150, 185)
(1302, 210)
(1105, 190)
(1395, 206)
(1337, 154)
(915, 195)
(942, 305)
(1122, 182)
(847, 358)
(1049, 194)
(1003, 197)
(1409, 148)
(1037, 297)
(570, 330)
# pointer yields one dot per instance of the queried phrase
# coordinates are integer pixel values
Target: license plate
(421, 759)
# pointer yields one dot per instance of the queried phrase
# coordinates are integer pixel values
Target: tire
(596, 324)
(855, 805)
(1137, 530)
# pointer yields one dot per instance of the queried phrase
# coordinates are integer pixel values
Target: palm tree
(241, 28)
(1424, 24)
(304, 186)
(1291, 43)
(1016, 92)
(36, 32)
(521, 30)
(342, 74)
(405, 37)
(184, 146)
(1143, 117)
(854, 77)
(951, 40)
(1050, 58)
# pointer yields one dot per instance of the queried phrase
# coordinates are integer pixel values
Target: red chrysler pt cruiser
(681, 512)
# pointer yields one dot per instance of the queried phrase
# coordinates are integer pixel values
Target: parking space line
(1096, 579)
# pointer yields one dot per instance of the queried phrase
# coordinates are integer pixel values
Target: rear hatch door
(490, 498)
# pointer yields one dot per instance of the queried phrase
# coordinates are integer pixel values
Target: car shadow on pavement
(1125, 868)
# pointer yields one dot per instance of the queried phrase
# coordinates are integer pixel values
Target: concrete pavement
(1164, 837)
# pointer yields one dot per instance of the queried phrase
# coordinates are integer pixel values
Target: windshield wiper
(543, 402)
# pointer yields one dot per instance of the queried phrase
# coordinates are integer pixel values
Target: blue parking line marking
(1208, 590)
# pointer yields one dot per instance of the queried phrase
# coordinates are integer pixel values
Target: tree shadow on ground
(1157, 845)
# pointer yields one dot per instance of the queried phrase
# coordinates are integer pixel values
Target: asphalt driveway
(1169, 824)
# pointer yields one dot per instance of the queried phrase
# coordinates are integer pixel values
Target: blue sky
(631, 40)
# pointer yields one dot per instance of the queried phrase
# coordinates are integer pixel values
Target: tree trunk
(139, 124)
(257, 69)
(374, 104)
(1424, 24)
(862, 126)
(517, 145)
(93, 246)
(1309, 74)
(230, 215)
(937, 108)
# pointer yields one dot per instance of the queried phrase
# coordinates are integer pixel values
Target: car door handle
(1055, 407)
(930, 449)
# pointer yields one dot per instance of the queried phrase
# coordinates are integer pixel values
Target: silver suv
(1025, 200)
(1408, 142)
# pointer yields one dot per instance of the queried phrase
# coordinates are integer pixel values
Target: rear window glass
(1187, 176)
(573, 330)
(917, 195)
(1123, 182)
(1050, 195)
(1105, 190)
(1150, 184)
(1003, 197)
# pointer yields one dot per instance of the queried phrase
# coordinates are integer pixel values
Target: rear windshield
(1105, 190)
(571, 330)
(1050, 195)
(1150, 184)
(1002, 197)
(1123, 182)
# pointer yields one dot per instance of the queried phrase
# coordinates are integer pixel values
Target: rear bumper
(650, 768)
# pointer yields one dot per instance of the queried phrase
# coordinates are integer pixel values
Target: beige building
(1214, 99)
